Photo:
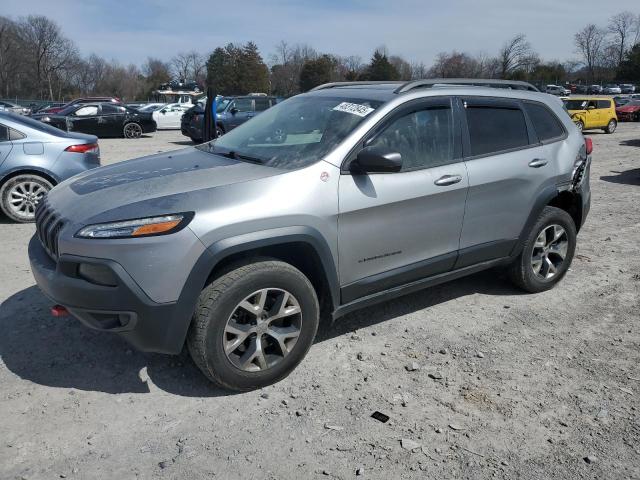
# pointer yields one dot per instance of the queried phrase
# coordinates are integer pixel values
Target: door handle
(448, 180)
(537, 163)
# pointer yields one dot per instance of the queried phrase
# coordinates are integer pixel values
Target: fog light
(98, 274)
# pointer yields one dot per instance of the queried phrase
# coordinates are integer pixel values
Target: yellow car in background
(590, 113)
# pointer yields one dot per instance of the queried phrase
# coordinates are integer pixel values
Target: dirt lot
(509, 385)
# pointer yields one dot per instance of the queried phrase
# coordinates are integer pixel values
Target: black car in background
(231, 112)
(181, 86)
(102, 120)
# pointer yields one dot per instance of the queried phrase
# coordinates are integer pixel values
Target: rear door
(395, 228)
(84, 120)
(5, 143)
(604, 112)
(110, 121)
(508, 169)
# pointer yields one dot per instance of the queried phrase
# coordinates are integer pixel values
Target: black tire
(38, 185)
(611, 126)
(220, 300)
(521, 271)
(132, 130)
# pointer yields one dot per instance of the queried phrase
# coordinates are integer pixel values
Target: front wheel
(580, 125)
(21, 194)
(132, 130)
(547, 252)
(611, 126)
(253, 325)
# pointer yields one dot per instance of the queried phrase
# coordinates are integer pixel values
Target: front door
(240, 110)
(395, 228)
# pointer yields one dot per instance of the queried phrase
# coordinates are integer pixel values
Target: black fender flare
(543, 199)
(223, 248)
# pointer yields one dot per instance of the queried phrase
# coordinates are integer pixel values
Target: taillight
(83, 148)
(588, 143)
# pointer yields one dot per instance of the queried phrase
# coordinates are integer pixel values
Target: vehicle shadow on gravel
(490, 282)
(634, 142)
(188, 143)
(628, 177)
(61, 352)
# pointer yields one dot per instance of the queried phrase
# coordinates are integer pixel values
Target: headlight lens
(142, 227)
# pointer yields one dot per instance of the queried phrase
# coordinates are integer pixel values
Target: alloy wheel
(549, 251)
(262, 330)
(24, 197)
(132, 130)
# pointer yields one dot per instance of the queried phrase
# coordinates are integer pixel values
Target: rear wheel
(547, 252)
(132, 130)
(253, 325)
(21, 194)
(611, 126)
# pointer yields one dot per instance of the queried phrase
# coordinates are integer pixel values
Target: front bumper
(123, 309)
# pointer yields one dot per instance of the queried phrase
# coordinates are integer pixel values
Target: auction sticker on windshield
(354, 108)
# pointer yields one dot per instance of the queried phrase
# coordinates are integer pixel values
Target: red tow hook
(59, 311)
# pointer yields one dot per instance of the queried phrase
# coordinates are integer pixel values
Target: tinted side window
(110, 109)
(423, 138)
(545, 123)
(494, 129)
(16, 135)
(87, 111)
(243, 105)
(262, 104)
(604, 104)
(4, 133)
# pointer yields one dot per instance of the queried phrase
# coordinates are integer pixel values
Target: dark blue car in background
(231, 112)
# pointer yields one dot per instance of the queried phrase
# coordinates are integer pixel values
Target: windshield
(576, 104)
(222, 104)
(295, 133)
(633, 103)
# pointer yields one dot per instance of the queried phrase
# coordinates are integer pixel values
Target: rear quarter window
(495, 129)
(604, 103)
(545, 123)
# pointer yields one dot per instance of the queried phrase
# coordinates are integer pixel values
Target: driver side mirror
(372, 160)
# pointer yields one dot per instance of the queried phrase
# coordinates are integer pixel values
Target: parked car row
(230, 113)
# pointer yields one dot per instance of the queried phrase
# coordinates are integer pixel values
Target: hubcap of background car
(262, 330)
(549, 251)
(612, 126)
(24, 197)
(132, 130)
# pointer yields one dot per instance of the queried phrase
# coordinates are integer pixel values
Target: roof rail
(475, 82)
(349, 84)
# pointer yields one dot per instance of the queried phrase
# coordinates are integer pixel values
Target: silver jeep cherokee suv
(342, 197)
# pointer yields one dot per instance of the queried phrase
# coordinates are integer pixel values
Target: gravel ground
(505, 385)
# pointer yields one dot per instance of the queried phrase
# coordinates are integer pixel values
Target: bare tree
(46, 50)
(516, 54)
(590, 45)
(9, 55)
(624, 29)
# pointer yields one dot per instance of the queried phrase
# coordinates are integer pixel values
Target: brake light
(83, 148)
(588, 144)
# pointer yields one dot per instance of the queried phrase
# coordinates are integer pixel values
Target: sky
(130, 31)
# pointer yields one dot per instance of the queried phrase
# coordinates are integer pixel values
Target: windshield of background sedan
(295, 133)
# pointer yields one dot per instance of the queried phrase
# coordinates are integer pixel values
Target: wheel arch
(50, 177)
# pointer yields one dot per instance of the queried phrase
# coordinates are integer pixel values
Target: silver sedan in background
(34, 157)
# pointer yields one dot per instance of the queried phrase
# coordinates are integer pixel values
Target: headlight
(141, 227)
(46, 119)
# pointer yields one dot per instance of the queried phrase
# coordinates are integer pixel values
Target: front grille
(48, 226)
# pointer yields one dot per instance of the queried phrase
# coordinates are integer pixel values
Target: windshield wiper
(236, 156)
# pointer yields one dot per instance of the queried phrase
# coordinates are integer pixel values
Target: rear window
(545, 123)
(494, 129)
(4, 133)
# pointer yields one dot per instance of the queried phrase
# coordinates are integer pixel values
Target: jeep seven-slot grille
(48, 226)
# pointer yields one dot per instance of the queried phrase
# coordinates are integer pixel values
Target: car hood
(163, 183)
